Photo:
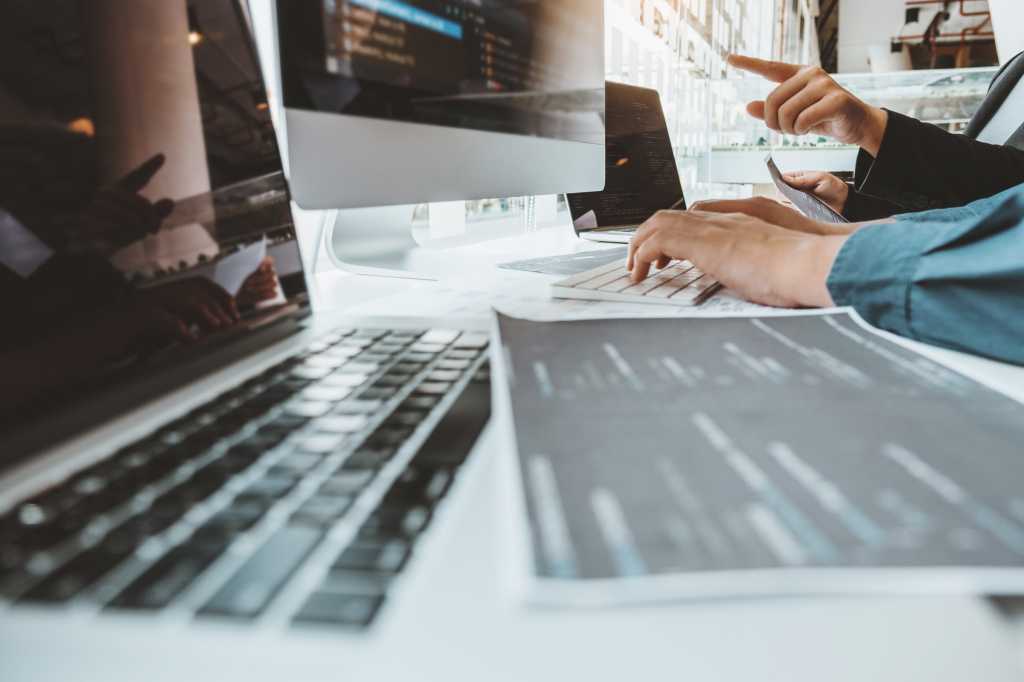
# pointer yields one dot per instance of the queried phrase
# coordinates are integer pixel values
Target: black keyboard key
(269, 488)
(346, 483)
(407, 367)
(322, 510)
(75, 576)
(388, 523)
(421, 358)
(298, 463)
(354, 406)
(378, 393)
(371, 557)
(453, 438)
(368, 458)
(164, 580)
(418, 484)
(421, 402)
(461, 354)
(348, 610)
(343, 423)
(249, 591)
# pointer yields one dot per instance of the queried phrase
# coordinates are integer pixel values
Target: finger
(164, 208)
(817, 114)
(780, 96)
(662, 263)
(224, 318)
(756, 109)
(163, 322)
(805, 179)
(810, 95)
(647, 255)
(642, 233)
(137, 179)
(773, 71)
(206, 316)
(222, 298)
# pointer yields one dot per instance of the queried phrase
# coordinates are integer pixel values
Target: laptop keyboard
(680, 284)
(297, 496)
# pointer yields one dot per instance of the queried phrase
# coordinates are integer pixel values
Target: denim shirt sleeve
(957, 283)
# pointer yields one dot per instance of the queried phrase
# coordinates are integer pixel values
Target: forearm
(950, 284)
(919, 166)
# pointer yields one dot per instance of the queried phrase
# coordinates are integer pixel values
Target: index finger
(137, 179)
(779, 72)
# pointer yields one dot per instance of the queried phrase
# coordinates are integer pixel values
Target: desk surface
(458, 614)
(786, 639)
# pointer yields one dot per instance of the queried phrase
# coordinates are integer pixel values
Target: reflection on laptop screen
(641, 177)
(144, 216)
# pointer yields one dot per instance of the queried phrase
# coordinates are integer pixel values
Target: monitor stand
(373, 241)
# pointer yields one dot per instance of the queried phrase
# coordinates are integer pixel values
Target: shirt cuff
(877, 175)
(874, 272)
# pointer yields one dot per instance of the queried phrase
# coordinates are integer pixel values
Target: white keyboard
(679, 284)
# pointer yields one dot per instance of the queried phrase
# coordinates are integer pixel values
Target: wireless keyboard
(681, 283)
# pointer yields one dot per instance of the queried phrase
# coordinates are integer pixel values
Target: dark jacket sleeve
(862, 207)
(920, 166)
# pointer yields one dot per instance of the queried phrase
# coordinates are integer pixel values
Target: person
(903, 165)
(949, 277)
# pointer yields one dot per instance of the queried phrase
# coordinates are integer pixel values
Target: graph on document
(669, 445)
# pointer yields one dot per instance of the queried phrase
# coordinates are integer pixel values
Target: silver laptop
(641, 176)
(182, 440)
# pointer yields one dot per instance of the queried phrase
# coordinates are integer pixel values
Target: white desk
(786, 639)
(456, 615)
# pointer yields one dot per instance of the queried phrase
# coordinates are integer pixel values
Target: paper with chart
(665, 458)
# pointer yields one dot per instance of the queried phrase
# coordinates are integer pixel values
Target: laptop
(183, 440)
(641, 176)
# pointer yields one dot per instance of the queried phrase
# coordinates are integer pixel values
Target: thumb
(804, 179)
(137, 179)
(756, 109)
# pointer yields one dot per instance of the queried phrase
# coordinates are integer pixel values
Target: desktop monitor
(400, 101)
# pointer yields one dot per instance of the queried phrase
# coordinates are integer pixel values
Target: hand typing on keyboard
(762, 262)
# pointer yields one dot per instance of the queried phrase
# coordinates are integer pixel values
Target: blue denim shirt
(951, 277)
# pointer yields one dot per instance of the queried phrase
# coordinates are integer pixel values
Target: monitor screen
(641, 176)
(525, 67)
(145, 223)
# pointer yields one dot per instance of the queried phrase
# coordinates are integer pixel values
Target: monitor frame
(338, 161)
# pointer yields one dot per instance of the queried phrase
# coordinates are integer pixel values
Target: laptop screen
(145, 223)
(641, 177)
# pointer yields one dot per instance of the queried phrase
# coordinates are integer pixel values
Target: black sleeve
(861, 207)
(920, 166)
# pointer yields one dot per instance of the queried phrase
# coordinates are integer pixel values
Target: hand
(761, 262)
(260, 286)
(825, 186)
(768, 210)
(118, 215)
(194, 301)
(808, 100)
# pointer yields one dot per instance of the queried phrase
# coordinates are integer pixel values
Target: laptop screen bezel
(107, 403)
(614, 93)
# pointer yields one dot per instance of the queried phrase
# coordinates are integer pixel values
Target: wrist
(807, 283)
(874, 130)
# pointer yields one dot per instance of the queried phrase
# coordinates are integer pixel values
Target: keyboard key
(356, 582)
(388, 557)
(164, 580)
(441, 336)
(320, 444)
(472, 340)
(418, 484)
(330, 608)
(432, 348)
(308, 408)
(341, 423)
(446, 375)
(433, 388)
(454, 364)
(378, 393)
(368, 458)
(462, 354)
(322, 510)
(348, 380)
(355, 406)
(74, 576)
(387, 523)
(348, 483)
(269, 488)
(331, 394)
(250, 590)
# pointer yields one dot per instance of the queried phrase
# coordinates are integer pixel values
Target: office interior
(393, 481)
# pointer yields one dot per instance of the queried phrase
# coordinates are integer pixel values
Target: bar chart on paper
(662, 447)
